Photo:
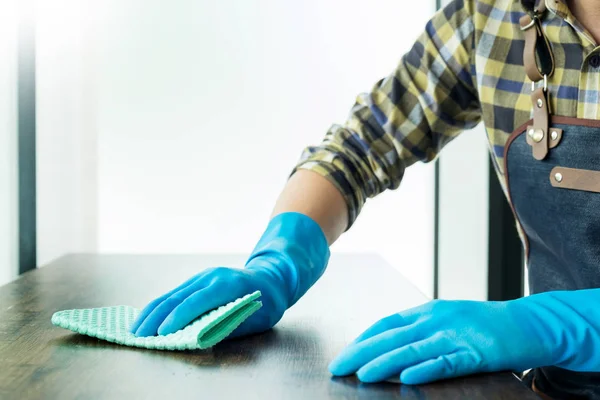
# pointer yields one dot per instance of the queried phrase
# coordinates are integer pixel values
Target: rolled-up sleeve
(407, 117)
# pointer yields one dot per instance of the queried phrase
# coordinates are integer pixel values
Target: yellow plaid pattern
(465, 68)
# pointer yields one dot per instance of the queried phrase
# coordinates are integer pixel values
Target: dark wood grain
(38, 360)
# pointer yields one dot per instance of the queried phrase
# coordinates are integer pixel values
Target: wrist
(543, 325)
(293, 251)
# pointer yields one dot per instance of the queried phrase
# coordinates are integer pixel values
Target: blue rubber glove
(446, 339)
(289, 258)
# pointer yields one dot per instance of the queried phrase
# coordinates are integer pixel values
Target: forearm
(406, 117)
(293, 252)
(311, 194)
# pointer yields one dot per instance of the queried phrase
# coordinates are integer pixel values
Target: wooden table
(38, 360)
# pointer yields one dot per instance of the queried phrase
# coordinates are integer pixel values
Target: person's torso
(556, 198)
(502, 84)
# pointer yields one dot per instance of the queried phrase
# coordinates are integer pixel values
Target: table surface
(39, 360)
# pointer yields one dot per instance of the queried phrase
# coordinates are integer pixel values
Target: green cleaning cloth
(112, 324)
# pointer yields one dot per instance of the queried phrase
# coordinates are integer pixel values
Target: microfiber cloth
(112, 324)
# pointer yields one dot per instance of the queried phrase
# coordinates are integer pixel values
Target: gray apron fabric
(562, 229)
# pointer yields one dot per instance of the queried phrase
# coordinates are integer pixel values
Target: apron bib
(552, 172)
(557, 204)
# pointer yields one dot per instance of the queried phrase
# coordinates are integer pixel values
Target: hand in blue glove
(289, 258)
(445, 339)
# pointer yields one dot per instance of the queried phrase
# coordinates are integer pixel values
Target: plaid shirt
(465, 68)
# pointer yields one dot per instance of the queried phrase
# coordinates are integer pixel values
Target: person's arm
(446, 339)
(311, 194)
(407, 117)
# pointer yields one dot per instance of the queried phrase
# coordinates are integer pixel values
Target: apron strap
(537, 55)
(541, 121)
(538, 61)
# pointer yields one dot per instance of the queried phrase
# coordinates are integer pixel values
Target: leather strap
(539, 132)
(538, 61)
(538, 58)
(575, 179)
(554, 139)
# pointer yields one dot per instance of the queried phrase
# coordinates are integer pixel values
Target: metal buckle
(529, 25)
(545, 84)
(535, 17)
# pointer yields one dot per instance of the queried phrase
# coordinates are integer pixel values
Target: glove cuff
(295, 250)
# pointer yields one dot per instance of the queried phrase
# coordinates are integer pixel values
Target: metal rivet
(554, 135)
(530, 133)
(538, 135)
(558, 176)
(540, 103)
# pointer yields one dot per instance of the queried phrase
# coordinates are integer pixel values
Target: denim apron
(561, 223)
(552, 171)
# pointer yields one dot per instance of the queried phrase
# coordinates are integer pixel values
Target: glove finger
(391, 364)
(198, 303)
(385, 324)
(149, 327)
(154, 303)
(354, 356)
(443, 367)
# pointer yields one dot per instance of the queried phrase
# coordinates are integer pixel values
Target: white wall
(8, 141)
(464, 220)
(173, 128)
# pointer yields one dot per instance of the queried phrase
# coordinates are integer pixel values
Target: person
(531, 72)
